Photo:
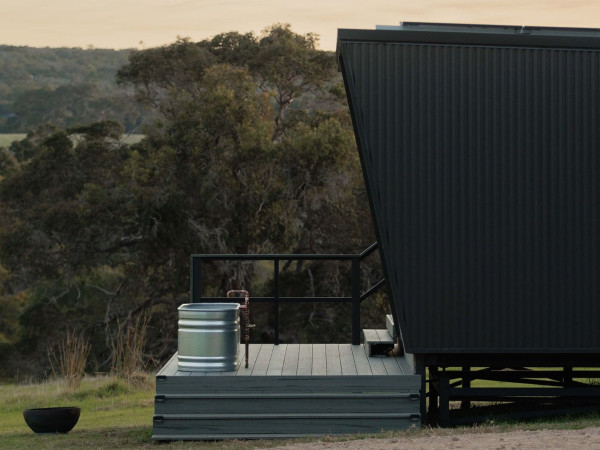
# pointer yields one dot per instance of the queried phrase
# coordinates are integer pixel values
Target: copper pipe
(247, 324)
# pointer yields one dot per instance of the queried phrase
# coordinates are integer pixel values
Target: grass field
(112, 411)
(114, 414)
(117, 414)
(7, 138)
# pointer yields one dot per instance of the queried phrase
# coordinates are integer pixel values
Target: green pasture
(118, 414)
(8, 138)
(507, 384)
(111, 411)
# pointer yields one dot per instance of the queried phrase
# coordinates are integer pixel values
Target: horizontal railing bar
(282, 257)
(280, 299)
(591, 391)
(519, 374)
(370, 249)
(373, 289)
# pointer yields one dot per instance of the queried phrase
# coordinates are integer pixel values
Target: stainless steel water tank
(208, 336)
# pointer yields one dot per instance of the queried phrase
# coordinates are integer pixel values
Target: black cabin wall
(483, 167)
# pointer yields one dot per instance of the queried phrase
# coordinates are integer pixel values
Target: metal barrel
(208, 337)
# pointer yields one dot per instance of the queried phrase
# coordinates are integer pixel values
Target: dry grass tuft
(128, 350)
(69, 358)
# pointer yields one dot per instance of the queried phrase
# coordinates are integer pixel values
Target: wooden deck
(288, 390)
(305, 359)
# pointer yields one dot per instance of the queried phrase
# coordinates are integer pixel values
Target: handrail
(372, 290)
(370, 249)
(282, 299)
(271, 257)
(356, 298)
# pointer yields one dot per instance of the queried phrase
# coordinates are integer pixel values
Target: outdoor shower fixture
(247, 324)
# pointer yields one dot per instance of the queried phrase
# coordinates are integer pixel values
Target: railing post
(276, 298)
(356, 300)
(195, 280)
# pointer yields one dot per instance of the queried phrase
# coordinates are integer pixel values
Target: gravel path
(587, 438)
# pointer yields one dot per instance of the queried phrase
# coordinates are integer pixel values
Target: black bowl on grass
(52, 420)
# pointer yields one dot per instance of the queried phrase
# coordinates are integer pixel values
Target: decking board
(319, 360)
(332, 357)
(384, 337)
(363, 367)
(377, 366)
(277, 360)
(347, 360)
(305, 360)
(370, 335)
(170, 368)
(391, 366)
(290, 363)
(262, 360)
(252, 356)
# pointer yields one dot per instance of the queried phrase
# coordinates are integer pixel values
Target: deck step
(329, 389)
(208, 426)
(377, 342)
(284, 403)
(389, 324)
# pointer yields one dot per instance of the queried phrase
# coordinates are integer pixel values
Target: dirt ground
(587, 438)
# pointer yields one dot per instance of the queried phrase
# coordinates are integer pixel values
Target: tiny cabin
(480, 149)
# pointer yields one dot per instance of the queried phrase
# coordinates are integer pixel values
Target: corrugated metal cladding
(483, 168)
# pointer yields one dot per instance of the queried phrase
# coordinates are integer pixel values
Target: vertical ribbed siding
(483, 169)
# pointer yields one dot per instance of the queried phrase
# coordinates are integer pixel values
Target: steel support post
(444, 386)
(355, 301)
(276, 300)
(466, 383)
(195, 280)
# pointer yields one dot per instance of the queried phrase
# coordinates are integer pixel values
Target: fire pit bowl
(52, 420)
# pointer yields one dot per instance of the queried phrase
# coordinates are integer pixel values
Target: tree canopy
(251, 151)
(64, 87)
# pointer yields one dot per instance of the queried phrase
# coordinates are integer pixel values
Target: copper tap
(247, 324)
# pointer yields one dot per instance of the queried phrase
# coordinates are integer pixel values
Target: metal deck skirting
(288, 390)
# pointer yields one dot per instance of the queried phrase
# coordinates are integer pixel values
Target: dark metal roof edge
(492, 28)
(583, 40)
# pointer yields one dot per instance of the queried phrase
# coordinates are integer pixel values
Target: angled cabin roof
(480, 147)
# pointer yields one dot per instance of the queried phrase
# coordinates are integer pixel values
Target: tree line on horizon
(250, 150)
(63, 86)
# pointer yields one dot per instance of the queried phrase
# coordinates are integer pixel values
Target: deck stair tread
(377, 342)
(378, 336)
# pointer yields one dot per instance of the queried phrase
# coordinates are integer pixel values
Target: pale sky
(126, 23)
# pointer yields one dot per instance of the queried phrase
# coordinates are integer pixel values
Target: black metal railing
(355, 299)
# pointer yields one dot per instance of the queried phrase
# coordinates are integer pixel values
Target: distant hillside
(65, 86)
